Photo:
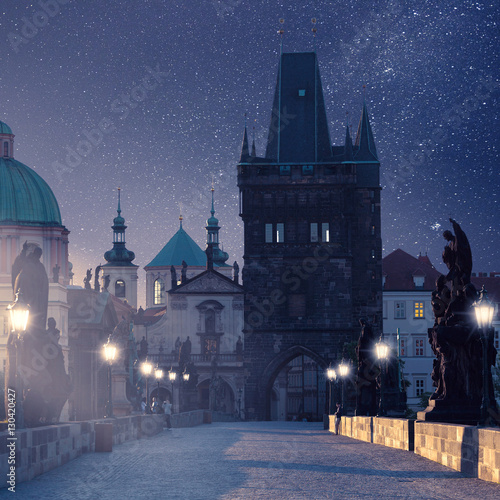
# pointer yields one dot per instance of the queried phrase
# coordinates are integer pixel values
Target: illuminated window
(419, 309)
(419, 347)
(325, 232)
(159, 288)
(399, 310)
(120, 288)
(280, 233)
(419, 386)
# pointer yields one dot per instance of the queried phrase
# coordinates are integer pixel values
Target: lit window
(325, 232)
(314, 231)
(280, 233)
(373, 254)
(419, 386)
(399, 310)
(419, 347)
(159, 288)
(269, 233)
(120, 288)
(419, 309)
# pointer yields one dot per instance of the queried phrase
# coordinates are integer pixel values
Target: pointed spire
(119, 198)
(348, 153)
(254, 154)
(213, 209)
(365, 144)
(245, 154)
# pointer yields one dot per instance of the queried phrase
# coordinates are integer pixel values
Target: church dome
(25, 198)
(5, 129)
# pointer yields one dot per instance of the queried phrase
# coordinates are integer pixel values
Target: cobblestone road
(268, 460)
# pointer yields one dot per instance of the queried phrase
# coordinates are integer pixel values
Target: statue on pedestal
(366, 380)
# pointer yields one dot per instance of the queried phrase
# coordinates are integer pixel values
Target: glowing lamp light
(382, 350)
(146, 368)
(343, 369)
(172, 375)
(331, 374)
(109, 352)
(185, 376)
(19, 314)
(484, 310)
(158, 373)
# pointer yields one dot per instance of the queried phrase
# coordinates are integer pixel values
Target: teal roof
(25, 198)
(5, 129)
(180, 247)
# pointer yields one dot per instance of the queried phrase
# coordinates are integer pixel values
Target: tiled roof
(400, 267)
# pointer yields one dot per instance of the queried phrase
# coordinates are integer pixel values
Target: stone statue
(106, 282)
(120, 337)
(88, 279)
(239, 347)
(143, 350)
(455, 339)
(55, 273)
(30, 279)
(236, 272)
(185, 353)
(184, 272)
(97, 287)
(366, 380)
(177, 346)
(173, 277)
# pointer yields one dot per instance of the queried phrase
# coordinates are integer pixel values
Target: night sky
(81, 74)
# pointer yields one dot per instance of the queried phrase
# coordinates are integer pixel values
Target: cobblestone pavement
(267, 460)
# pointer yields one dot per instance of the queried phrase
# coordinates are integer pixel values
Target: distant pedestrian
(338, 416)
(154, 406)
(167, 409)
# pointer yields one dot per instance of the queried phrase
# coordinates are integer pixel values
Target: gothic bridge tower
(313, 252)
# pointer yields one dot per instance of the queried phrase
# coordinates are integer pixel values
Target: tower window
(325, 232)
(284, 169)
(307, 170)
(159, 288)
(6, 149)
(269, 233)
(280, 232)
(302, 92)
(314, 232)
(120, 288)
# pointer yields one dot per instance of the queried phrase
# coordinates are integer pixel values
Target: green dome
(5, 129)
(25, 198)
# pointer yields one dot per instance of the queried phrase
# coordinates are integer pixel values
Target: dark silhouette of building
(311, 213)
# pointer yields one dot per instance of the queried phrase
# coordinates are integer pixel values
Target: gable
(209, 282)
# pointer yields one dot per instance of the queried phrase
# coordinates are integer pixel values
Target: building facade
(311, 213)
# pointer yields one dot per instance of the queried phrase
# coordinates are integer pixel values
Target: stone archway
(277, 364)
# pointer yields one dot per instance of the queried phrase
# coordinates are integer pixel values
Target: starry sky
(150, 95)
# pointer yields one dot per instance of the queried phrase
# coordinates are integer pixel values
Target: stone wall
(189, 418)
(37, 450)
(362, 428)
(394, 433)
(489, 455)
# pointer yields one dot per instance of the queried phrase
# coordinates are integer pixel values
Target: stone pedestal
(121, 405)
(452, 412)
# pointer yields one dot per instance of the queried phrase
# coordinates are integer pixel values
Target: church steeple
(119, 255)
(245, 153)
(348, 154)
(365, 145)
(218, 257)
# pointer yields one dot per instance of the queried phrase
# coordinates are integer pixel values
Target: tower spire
(254, 153)
(244, 147)
(365, 144)
(348, 153)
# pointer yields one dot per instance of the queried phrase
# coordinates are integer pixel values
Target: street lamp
(146, 369)
(19, 313)
(109, 356)
(484, 310)
(343, 370)
(158, 377)
(331, 375)
(172, 376)
(382, 351)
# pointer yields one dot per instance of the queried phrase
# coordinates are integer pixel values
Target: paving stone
(253, 460)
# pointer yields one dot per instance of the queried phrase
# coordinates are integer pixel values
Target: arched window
(210, 321)
(159, 289)
(6, 148)
(120, 288)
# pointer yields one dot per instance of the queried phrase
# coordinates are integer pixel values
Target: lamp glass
(19, 314)
(109, 352)
(146, 368)
(185, 376)
(158, 373)
(172, 375)
(343, 369)
(382, 350)
(331, 374)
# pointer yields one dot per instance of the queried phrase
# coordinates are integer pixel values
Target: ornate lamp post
(185, 378)
(146, 369)
(109, 355)
(19, 313)
(158, 377)
(484, 310)
(172, 376)
(382, 352)
(331, 375)
(343, 370)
